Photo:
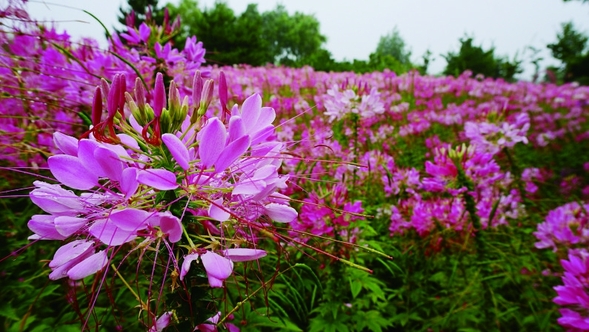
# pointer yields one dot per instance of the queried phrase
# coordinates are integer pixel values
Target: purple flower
(77, 260)
(219, 268)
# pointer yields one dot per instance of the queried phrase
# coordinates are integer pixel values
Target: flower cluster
(339, 103)
(148, 168)
(49, 79)
(573, 295)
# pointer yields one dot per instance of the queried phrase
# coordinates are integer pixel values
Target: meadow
(143, 189)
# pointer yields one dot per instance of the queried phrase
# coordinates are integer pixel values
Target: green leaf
(355, 287)
(7, 311)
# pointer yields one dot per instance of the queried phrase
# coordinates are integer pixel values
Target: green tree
(571, 49)
(190, 14)
(292, 39)
(479, 61)
(393, 45)
(251, 38)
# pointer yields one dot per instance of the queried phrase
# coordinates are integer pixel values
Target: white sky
(353, 29)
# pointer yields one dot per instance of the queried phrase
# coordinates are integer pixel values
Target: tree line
(276, 37)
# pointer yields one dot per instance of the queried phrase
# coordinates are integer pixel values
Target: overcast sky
(353, 30)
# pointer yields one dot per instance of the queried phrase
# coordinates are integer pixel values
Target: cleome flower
(119, 187)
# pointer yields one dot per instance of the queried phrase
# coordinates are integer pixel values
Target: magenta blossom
(219, 268)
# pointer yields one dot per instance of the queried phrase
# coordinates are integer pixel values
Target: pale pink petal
(88, 266)
(66, 144)
(249, 188)
(232, 327)
(262, 135)
(130, 219)
(129, 182)
(217, 212)
(233, 151)
(109, 162)
(217, 266)
(70, 251)
(67, 226)
(70, 171)
(236, 128)
(177, 149)
(86, 150)
(264, 172)
(109, 234)
(55, 200)
(280, 213)
(244, 254)
(44, 227)
(61, 271)
(215, 283)
(129, 141)
(158, 178)
(171, 225)
(250, 112)
(188, 259)
(164, 320)
(267, 116)
(212, 142)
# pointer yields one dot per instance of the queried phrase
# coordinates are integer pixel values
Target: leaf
(355, 287)
(7, 311)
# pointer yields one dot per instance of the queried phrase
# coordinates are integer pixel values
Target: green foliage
(479, 61)
(252, 38)
(571, 49)
(391, 53)
(393, 45)
(292, 38)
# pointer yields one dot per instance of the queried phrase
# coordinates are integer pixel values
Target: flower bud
(197, 84)
(173, 99)
(165, 121)
(205, 100)
(159, 95)
(140, 93)
(97, 106)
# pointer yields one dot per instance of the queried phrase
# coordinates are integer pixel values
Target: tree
(475, 59)
(571, 49)
(292, 39)
(393, 45)
(251, 38)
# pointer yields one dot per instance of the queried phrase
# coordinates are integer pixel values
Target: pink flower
(219, 268)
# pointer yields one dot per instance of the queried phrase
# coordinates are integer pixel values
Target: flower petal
(250, 112)
(130, 219)
(188, 259)
(244, 254)
(280, 212)
(70, 171)
(129, 182)
(67, 226)
(70, 251)
(177, 149)
(110, 163)
(44, 227)
(233, 151)
(212, 141)
(216, 211)
(217, 266)
(236, 128)
(171, 225)
(88, 266)
(66, 144)
(158, 178)
(109, 234)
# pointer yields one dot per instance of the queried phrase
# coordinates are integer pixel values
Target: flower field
(143, 189)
